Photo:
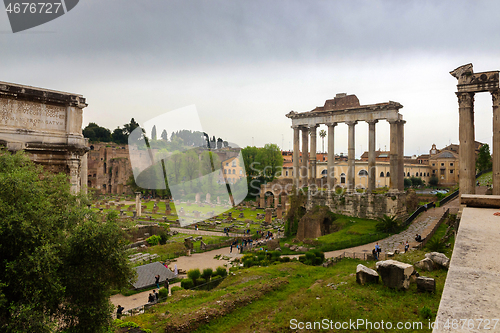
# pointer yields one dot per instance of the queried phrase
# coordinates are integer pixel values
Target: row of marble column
(301, 171)
(467, 148)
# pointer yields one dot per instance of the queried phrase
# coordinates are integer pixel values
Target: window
(227, 164)
(363, 173)
(442, 171)
(433, 164)
(451, 171)
(451, 164)
(234, 171)
(241, 172)
(408, 174)
(324, 173)
(225, 171)
(388, 174)
(342, 178)
(286, 173)
(234, 163)
(433, 172)
(382, 174)
(442, 164)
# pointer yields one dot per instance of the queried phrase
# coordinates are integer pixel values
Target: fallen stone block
(395, 274)
(426, 284)
(439, 259)
(366, 275)
(425, 264)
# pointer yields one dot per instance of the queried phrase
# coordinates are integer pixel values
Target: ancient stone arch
(47, 124)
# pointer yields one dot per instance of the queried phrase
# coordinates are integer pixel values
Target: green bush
(128, 324)
(215, 277)
(285, 259)
(163, 292)
(153, 240)
(163, 237)
(435, 245)
(194, 274)
(174, 289)
(200, 281)
(187, 283)
(207, 273)
(221, 271)
(426, 312)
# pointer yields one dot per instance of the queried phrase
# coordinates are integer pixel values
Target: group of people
(241, 246)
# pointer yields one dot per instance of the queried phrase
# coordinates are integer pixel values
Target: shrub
(221, 271)
(426, 312)
(388, 224)
(194, 274)
(128, 324)
(187, 283)
(163, 237)
(200, 281)
(163, 292)
(435, 245)
(153, 240)
(285, 259)
(174, 289)
(207, 273)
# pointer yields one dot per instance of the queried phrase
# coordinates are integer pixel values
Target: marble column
(371, 155)
(467, 156)
(351, 167)
(312, 156)
(331, 156)
(74, 172)
(401, 156)
(496, 141)
(393, 156)
(296, 156)
(138, 206)
(305, 156)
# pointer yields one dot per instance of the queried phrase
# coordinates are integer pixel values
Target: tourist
(157, 295)
(157, 281)
(407, 246)
(378, 249)
(418, 238)
(375, 253)
(119, 311)
(151, 298)
(175, 269)
(231, 248)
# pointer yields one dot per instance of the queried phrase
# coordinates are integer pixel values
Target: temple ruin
(470, 83)
(47, 124)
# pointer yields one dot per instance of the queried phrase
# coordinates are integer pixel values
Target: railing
(449, 198)
(429, 236)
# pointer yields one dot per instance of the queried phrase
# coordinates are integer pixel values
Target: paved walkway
(203, 232)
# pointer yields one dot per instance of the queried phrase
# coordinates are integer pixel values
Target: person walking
(157, 281)
(407, 246)
(119, 311)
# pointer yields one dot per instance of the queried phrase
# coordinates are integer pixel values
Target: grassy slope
(306, 297)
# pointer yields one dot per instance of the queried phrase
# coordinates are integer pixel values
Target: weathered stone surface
(425, 264)
(316, 223)
(426, 284)
(273, 244)
(302, 249)
(366, 275)
(395, 274)
(439, 259)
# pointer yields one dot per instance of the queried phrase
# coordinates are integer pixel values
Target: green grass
(486, 179)
(304, 293)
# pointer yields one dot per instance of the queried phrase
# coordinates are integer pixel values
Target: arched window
(342, 178)
(388, 174)
(363, 173)
(408, 175)
(382, 174)
(234, 171)
(225, 171)
(420, 174)
(234, 163)
(324, 173)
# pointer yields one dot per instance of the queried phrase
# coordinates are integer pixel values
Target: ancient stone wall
(371, 206)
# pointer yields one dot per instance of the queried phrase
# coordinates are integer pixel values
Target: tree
(119, 137)
(322, 134)
(407, 182)
(483, 161)
(153, 133)
(164, 135)
(271, 161)
(250, 158)
(130, 127)
(96, 133)
(58, 259)
(433, 181)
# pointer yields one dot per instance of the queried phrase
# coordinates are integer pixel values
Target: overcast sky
(245, 64)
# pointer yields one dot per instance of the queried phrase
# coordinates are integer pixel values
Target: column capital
(331, 124)
(495, 95)
(374, 121)
(313, 128)
(465, 99)
(396, 121)
(295, 126)
(351, 123)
